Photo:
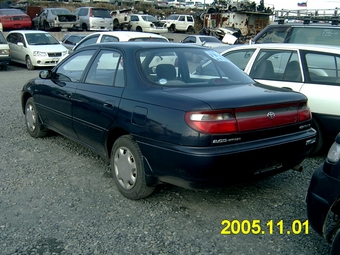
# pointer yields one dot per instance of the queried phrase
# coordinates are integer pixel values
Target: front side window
(280, 65)
(240, 57)
(73, 68)
(107, 69)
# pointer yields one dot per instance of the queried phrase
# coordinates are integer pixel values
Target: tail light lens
(248, 118)
(212, 122)
(304, 111)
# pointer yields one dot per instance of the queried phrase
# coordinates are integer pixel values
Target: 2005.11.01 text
(246, 227)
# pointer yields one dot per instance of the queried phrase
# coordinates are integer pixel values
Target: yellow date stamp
(256, 227)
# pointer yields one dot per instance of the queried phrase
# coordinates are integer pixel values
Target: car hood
(236, 96)
(48, 48)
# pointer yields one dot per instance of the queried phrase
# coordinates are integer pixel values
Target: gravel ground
(58, 198)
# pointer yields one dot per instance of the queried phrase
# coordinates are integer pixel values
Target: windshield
(149, 18)
(41, 39)
(190, 67)
(61, 11)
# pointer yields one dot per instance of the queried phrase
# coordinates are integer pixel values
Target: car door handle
(67, 94)
(109, 104)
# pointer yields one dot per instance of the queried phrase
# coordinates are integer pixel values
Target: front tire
(128, 170)
(29, 63)
(336, 244)
(33, 125)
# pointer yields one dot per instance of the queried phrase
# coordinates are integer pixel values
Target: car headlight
(333, 155)
(39, 54)
(64, 53)
(4, 52)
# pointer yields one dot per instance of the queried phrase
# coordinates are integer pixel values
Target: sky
(292, 4)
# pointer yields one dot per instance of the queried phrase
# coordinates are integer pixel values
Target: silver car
(35, 48)
(93, 19)
(55, 18)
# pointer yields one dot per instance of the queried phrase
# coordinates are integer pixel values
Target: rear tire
(46, 26)
(127, 169)
(319, 138)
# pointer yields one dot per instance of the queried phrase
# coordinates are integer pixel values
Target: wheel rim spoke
(125, 168)
(30, 118)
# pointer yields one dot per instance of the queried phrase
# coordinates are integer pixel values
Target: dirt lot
(58, 198)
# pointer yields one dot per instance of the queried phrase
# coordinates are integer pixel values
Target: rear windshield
(190, 67)
(103, 13)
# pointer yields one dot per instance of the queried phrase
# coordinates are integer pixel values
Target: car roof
(28, 32)
(301, 24)
(143, 45)
(288, 46)
(129, 34)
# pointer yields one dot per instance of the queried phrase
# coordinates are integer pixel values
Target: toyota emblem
(271, 115)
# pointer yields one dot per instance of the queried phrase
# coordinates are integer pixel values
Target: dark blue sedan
(158, 117)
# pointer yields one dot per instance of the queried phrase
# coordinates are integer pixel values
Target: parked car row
(94, 19)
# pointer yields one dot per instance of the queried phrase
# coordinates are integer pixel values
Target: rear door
(97, 99)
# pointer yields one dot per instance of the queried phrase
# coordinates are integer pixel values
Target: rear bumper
(209, 167)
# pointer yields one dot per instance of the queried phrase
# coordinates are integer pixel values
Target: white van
(5, 56)
(94, 19)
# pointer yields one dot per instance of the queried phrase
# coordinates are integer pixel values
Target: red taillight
(304, 112)
(248, 118)
(212, 122)
(90, 14)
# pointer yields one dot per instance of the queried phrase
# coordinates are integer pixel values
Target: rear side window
(87, 41)
(323, 68)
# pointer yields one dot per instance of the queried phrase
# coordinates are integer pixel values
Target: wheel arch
(24, 99)
(112, 137)
(330, 227)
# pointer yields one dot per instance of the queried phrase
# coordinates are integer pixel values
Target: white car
(35, 48)
(177, 4)
(310, 69)
(119, 36)
(147, 23)
(180, 22)
(203, 40)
